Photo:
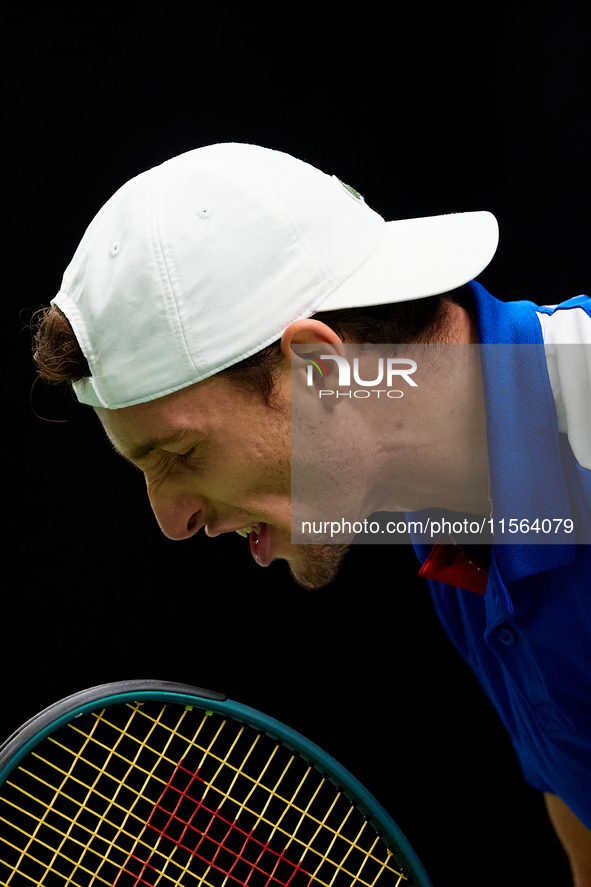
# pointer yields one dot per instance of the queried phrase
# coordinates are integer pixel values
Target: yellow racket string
(161, 755)
(122, 835)
(289, 802)
(239, 771)
(41, 821)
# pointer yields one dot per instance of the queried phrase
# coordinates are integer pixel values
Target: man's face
(216, 457)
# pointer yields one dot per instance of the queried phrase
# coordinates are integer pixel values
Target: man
(200, 288)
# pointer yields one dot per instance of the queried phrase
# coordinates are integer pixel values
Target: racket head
(84, 759)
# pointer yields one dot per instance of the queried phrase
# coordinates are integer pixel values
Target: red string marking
(199, 842)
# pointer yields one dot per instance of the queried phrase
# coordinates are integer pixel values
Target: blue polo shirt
(527, 634)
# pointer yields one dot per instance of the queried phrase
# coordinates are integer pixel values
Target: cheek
(250, 451)
(258, 470)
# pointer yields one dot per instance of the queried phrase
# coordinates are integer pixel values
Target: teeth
(246, 530)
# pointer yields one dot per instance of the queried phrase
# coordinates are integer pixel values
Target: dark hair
(56, 352)
(59, 358)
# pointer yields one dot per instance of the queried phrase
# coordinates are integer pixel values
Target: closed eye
(183, 457)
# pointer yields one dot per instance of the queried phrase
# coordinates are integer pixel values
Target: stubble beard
(318, 566)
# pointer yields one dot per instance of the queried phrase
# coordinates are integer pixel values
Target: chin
(316, 566)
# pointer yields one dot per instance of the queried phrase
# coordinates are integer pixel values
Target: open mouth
(260, 541)
(245, 531)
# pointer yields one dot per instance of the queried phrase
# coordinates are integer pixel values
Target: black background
(423, 111)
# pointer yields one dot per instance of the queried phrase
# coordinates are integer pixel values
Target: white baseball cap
(206, 259)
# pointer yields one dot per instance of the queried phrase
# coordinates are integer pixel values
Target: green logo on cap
(351, 190)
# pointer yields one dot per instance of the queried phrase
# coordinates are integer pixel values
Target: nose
(179, 514)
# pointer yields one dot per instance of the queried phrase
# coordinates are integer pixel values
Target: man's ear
(307, 340)
(308, 332)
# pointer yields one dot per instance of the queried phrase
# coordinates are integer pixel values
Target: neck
(435, 454)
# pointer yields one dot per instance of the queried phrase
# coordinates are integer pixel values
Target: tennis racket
(157, 783)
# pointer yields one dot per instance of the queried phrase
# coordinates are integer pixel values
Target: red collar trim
(451, 565)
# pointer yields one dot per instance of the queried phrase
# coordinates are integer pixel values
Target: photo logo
(388, 371)
(313, 361)
(394, 366)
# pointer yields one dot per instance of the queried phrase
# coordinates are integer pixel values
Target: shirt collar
(523, 444)
(527, 478)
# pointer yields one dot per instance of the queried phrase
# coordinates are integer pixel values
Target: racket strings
(239, 771)
(157, 797)
(63, 802)
(82, 805)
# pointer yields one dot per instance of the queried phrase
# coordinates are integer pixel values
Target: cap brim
(421, 257)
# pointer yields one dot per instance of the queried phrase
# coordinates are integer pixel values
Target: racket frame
(59, 714)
